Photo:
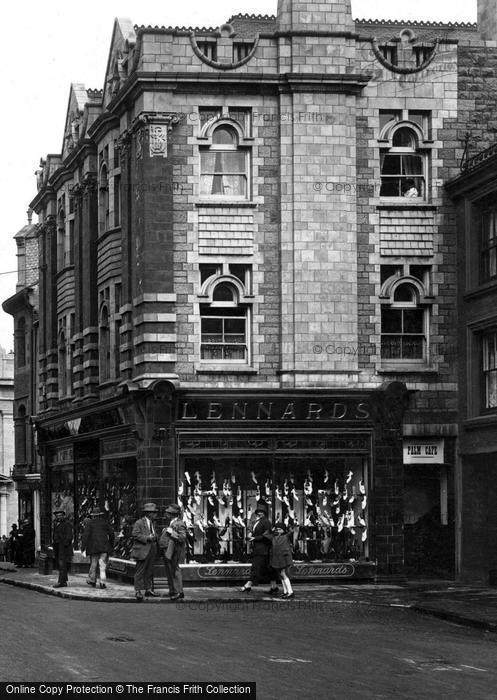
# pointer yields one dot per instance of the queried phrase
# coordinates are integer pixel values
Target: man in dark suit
(173, 545)
(97, 542)
(62, 545)
(144, 551)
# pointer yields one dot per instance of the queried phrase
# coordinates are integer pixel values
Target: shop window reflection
(324, 507)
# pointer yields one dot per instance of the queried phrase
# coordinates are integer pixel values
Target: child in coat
(281, 558)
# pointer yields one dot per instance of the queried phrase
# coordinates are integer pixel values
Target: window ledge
(480, 421)
(395, 204)
(230, 204)
(408, 369)
(66, 268)
(225, 369)
(482, 289)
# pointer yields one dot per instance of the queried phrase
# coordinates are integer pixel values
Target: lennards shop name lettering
(274, 411)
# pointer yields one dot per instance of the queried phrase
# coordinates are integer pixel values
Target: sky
(48, 45)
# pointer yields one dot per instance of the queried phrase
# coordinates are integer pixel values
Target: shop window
(104, 344)
(489, 351)
(325, 508)
(224, 165)
(404, 321)
(20, 342)
(62, 489)
(488, 254)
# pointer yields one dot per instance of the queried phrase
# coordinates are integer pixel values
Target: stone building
(475, 195)
(247, 287)
(23, 307)
(8, 496)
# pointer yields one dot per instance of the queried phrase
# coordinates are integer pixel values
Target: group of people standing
(19, 546)
(271, 554)
(271, 550)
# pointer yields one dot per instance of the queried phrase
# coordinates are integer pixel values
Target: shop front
(310, 457)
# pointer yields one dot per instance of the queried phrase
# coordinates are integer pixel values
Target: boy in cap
(173, 544)
(144, 551)
(97, 542)
(62, 545)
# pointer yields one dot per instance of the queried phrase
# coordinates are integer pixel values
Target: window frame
(485, 371)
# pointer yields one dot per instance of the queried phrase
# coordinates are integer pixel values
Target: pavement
(474, 606)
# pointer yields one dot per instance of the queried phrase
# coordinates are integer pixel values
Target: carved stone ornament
(406, 60)
(158, 140)
(157, 124)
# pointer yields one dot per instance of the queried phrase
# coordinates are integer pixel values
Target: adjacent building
(246, 287)
(8, 495)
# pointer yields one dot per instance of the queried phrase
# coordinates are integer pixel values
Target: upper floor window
(104, 342)
(488, 257)
(489, 350)
(405, 318)
(224, 318)
(404, 155)
(224, 160)
(103, 200)
(20, 342)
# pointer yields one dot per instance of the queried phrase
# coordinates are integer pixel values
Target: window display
(321, 500)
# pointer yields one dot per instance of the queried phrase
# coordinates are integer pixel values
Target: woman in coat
(97, 542)
(260, 536)
(281, 558)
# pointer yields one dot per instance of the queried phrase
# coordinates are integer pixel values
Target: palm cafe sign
(281, 409)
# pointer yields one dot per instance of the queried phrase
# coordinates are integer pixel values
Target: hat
(150, 508)
(261, 508)
(97, 511)
(59, 510)
(280, 526)
(173, 509)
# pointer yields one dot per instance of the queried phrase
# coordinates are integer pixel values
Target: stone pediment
(120, 56)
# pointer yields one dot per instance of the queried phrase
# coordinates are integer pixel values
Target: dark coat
(261, 533)
(62, 539)
(178, 536)
(98, 536)
(141, 545)
(281, 552)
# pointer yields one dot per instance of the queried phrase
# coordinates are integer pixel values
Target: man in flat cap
(97, 542)
(62, 545)
(144, 551)
(173, 545)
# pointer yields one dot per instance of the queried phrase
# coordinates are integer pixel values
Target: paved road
(332, 651)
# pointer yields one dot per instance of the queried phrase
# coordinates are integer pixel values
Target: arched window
(224, 165)
(61, 238)
(20, 342)
(404, 326)
(224, 326)
(103, 200)
(403, 166)
(104, 345)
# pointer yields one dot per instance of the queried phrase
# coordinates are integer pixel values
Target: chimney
(30, 216)
(329, 15)
(487, 19)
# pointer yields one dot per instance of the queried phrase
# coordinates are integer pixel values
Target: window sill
(480, 421)
(394, 203)
(407, 369)
(243, 203)
(482, 289)
(224, 369)
(66, 268)
(103, 235)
